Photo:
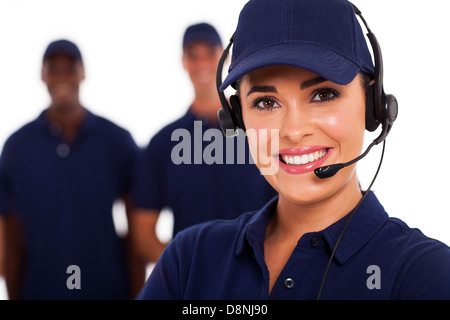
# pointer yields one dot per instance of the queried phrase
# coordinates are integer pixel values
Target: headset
(381, 108)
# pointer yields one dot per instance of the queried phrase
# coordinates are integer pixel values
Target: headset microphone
(330, 170)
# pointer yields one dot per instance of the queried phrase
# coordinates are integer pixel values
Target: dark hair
(365, 80)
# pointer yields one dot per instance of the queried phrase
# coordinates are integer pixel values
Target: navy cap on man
(62, 47)
(201, 32)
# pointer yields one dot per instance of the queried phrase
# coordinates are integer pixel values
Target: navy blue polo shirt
(215, 180)
(378, 258)
(63, 195)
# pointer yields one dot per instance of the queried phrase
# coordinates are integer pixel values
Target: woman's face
(316, 122)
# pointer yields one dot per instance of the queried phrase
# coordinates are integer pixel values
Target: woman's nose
(297, 124)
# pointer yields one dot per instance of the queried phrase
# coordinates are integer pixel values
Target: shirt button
(63, 150)
(289, 283)
(54, 129)
(315, 242)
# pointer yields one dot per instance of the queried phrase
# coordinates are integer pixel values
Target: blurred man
(60, 175)
(188, 166)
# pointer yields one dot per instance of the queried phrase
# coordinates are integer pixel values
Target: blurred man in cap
(59, 177)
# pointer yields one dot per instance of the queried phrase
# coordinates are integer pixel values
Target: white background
(132, 56)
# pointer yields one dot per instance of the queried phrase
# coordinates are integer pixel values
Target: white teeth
(304, 158)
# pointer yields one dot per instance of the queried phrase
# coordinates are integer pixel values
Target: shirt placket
(299, 278)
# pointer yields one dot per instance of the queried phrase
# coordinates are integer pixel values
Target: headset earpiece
(384, 106)
(371, 121)
(235, 103)
(230, 117)
(226, 123)
(391, 106)
(232, 121)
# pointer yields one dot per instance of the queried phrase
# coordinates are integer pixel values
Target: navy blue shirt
(63, 194)
(214, 180)
(378, 258)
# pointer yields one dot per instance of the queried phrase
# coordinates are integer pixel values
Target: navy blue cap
(64, 47)
(322, 36)
(201, 32)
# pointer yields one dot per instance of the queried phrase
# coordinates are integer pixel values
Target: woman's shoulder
(409, 238)
(422, 262)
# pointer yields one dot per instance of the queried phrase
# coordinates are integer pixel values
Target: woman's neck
(292, 220)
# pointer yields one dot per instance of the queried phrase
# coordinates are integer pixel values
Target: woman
(302, 69)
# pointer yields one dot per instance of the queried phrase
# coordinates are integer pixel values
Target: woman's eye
(324, 95)
(265, 104)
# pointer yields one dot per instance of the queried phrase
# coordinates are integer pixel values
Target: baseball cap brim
(317, 59)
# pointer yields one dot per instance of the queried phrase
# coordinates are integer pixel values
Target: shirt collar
(365, 223)
(43, 122)
(206, 122)
(368, 219)
(255, 229)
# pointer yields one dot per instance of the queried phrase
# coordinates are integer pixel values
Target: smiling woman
(313, 116)
(302, 76)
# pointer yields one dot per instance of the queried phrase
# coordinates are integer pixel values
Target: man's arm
(3, 290)
(137, 266)
(14, 255)
(2, 246)
(142, 230)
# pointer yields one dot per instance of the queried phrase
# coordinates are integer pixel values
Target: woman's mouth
(303, 160)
